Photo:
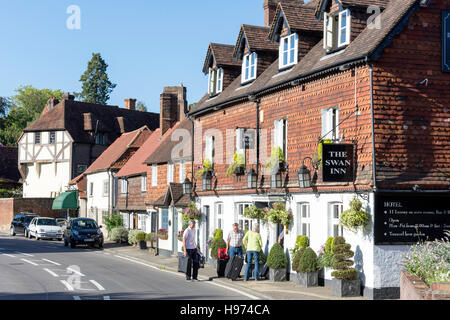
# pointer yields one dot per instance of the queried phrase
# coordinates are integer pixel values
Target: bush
(342, 260)
(308, 261)
(297, 255)
(132, 236)
(113, 222)
(262, 256)
(277, 259)
(217, 244)
(141, 236)
(302, 242)
(329, 245)
(150, 236)
(119, 234)
(218, 234)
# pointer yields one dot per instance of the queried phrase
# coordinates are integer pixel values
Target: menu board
(409, 217)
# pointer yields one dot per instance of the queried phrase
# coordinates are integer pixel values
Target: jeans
(250, 255)
(236, 251)
(193, 263)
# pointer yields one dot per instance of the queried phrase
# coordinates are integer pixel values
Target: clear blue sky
(147, 44)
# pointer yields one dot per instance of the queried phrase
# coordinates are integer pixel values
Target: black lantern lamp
(252, 179)
(207, 181)
(277, 180)
(187, 186)
(304, 176)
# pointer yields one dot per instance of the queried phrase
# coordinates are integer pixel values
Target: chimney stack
(68, 96)
(173, 104)
(270, 7)
(130, 104)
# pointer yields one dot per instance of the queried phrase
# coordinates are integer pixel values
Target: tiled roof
(173, 197)
(223, 56)
(69, 115)
(362, 3)
(135, 164)
(163, 152)
(257, 39)
(369, 43)
(115, 151)
(9, 170)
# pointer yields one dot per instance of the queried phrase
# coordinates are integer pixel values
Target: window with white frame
(209, 149)
(143, 183)
(182, 172)
(215, 81)
(244, 223)
(304, 219)
(249, 64)
(280, 135)
(337, 29)
(105, 188)
(330, 122)
(169, 173)
(218, 215)
(334, 213)
(288, 51)
(123, 186)
(154, 175)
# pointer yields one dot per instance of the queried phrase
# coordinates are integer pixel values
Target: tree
(96, 86)
(22, 109)
(141, 106)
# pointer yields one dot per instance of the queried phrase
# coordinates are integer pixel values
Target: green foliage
(191, 212)
(302, 241)
(297, 254)
(277, 258)
(329, 245)
(150, 236)
(21, 110)
(119, 234)
(132, 236)
(96, 86)
(253, 212)
(141, 236)
(238, 161)
(115, 220)
(141, 106)
(279, 214)
(308, 261)
(342, 262)
(354, 217)
(216, 244)
(218, 234)
(207, 166)
(276, 156)
(317, 156)
(5, 193)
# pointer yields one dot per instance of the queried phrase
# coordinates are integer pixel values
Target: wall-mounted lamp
(187, 186)
(304, 175)
(252, 179)
(207, 181)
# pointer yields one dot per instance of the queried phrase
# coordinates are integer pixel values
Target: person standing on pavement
(234, 241)
(190, 250)
(252, 240)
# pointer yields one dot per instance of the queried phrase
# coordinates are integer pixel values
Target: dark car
(20, 223)
(83, 231)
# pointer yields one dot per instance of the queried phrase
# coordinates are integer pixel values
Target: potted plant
(279, 214)
(151, 237)
(308, 269)
(207, 166)
(180, 235)
(345, 279)
(191, 212)
(355, 218)
(276, 158)
(277, 263)
(326, 260)
(238, 165)
(163, 234)
(216, 243)
(140, 238)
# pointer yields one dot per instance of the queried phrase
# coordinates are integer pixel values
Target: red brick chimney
(270, 7)
(130, 104)
(173, 103)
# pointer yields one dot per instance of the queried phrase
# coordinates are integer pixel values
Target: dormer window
(336, 30)
(249, 63)
(288, 51)
(215, 81)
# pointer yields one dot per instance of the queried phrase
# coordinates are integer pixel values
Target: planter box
(277, 275)
(346, 288)
(325, 277)
(307, 279)
(163, 237)
(143, 245)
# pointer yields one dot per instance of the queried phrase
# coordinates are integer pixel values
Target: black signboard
(409, 217)
(337, 162)
(446, 41)
(248, 139)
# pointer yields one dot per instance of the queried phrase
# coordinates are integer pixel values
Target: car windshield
(28, 219)
(84, 224)
(47, 222)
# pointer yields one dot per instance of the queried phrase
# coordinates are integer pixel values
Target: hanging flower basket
(191, 213)
(163, 234)
(280, 215)
(180, 235)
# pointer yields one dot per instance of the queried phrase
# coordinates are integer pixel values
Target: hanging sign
(337, 162)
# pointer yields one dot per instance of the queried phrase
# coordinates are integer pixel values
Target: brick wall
(135, 199)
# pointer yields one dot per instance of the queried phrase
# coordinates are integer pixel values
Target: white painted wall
(97, 202)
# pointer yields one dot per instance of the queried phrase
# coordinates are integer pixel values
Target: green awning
(66, 200)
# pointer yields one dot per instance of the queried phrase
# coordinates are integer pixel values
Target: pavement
(263, 289)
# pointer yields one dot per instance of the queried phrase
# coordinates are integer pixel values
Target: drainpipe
(373, 131)
(253, 98)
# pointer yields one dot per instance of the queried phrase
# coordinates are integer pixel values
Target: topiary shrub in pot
(345, 281)
(277, 263)
(307, 269)
(140, 238)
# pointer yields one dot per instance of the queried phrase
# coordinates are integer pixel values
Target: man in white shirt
(190, 250)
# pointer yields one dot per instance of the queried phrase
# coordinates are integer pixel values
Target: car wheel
(12, 232)
(100, 245)
(37, 238)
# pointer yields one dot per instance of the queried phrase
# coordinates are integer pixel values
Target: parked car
(45, 228)
(84, 231)
(20, 223)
